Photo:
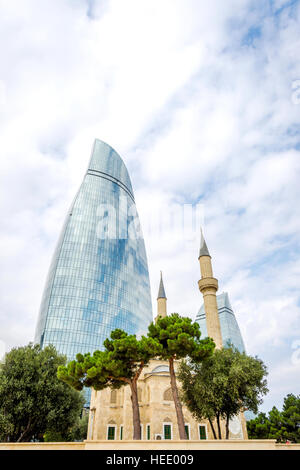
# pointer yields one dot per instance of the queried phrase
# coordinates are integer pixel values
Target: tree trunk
(219, 427)
(135, 411)
(227, 427)
(21, 438)
(178, 407)
(212, 428)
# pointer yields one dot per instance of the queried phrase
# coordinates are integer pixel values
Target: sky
(202, 101)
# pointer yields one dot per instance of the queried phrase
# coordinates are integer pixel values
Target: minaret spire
(208, 286)
(203, 247)
(161, 300)
(161, 291)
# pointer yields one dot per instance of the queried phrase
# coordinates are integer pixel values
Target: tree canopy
(179, 338)
(32, 399)
(280, 425)
(223, 385)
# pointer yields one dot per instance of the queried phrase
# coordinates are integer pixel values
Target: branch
(139, 370)
(26, 431)
(122, 379)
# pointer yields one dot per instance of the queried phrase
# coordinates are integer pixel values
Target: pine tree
(179, 337)
(121, 363)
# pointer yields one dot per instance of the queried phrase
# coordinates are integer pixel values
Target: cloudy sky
(202, 101)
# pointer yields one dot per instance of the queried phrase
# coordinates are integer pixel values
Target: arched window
(113, 397)
(168, 395)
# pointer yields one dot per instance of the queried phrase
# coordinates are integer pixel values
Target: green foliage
(118, 364)
(6, 427)
(77, 433)
(222, 385)
(180, 337)
(32, 399)
(280, 425)
(259, 427)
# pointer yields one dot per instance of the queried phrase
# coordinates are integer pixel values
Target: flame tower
(98, 279)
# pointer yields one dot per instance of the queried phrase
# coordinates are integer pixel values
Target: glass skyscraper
(229, 326)
(98, 279)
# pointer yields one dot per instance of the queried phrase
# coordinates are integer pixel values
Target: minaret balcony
(208, 283)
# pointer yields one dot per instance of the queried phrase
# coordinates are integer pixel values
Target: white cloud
(198, 101)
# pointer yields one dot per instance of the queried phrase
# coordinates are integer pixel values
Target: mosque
(111, 410)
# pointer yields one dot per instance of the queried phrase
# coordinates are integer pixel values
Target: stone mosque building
(111, 411)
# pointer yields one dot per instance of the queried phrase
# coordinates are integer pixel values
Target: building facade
(98, 279)
(230, 330)
(111, 410)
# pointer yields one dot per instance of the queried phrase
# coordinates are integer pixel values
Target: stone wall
(154, 445)
(43, 446)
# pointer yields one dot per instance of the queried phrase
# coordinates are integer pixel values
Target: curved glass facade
(230, 330)
(98, 279)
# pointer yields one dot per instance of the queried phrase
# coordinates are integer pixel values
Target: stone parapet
(43, 446)
(153, 445)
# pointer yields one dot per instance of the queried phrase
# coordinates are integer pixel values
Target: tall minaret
(161, 300)
(208, 286)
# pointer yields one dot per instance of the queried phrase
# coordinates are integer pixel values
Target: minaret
(208, 286)
(161, 300)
